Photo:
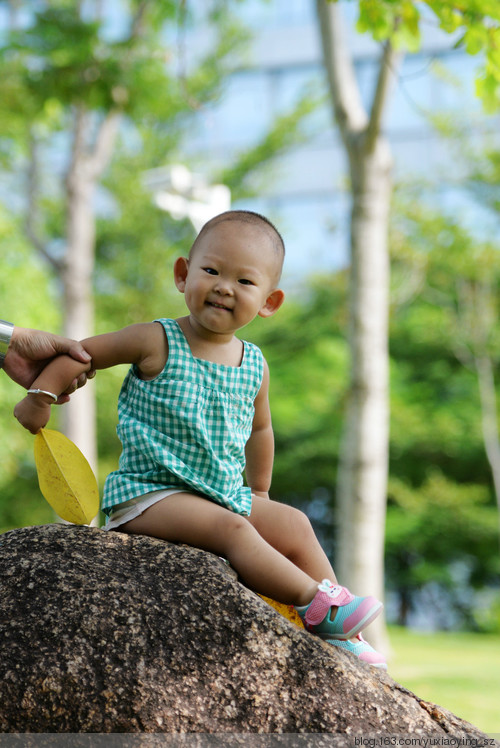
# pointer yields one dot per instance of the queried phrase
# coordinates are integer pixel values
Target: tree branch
(77, 148)
(102, 151)
(32, 213)
(389, 63)
(350, 113)
(89, 161)
(137, 23)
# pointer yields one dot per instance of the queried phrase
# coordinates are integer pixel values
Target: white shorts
(134, 507)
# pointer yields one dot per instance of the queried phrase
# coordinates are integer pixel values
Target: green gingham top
(187, 428)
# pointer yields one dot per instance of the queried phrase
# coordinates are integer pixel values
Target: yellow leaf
(65, 477)
(286, 610)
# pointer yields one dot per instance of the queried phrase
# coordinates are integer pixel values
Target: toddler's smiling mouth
(218, 306)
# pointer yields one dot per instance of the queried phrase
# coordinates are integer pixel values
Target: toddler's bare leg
(289, 531)
(191, 519)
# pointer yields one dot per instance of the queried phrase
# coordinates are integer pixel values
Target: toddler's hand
(262, 494)
(33, 412)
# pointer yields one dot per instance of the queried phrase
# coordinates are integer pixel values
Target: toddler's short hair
(247, 216)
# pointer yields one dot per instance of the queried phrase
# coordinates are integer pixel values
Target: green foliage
(476, 22)
(431, 528)
(21, 502)
(65, 55)
(56, 60)
(487, 616)
(308, 361)
(441, 516)
(397, 21)
(136, 246)
(61, 58)
(441, 512)
(459, 277)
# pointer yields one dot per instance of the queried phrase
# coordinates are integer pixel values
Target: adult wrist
(6, 330)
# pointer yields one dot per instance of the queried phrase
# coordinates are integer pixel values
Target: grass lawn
(459, 671)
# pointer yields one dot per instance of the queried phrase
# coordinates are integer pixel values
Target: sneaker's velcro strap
(323, 601)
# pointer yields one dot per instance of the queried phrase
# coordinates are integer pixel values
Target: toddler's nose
(223, 287)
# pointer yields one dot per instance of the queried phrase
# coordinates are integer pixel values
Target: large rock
(105, 632)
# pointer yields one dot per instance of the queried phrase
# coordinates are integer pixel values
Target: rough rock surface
(104, 632)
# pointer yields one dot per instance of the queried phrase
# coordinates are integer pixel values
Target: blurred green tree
(456, 280)
(440, 538)
(25, 288)
(70, 81)
(92, 97)
(362, 476)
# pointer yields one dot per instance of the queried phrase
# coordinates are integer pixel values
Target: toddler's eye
(245, 282)
(211, 271)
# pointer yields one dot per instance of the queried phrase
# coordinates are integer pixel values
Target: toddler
(194, 414)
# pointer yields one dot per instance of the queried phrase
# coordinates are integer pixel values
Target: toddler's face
(230, 276)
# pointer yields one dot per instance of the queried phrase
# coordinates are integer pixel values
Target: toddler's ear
(272, 303)
(180, 273)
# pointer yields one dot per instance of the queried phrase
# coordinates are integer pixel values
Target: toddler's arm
(143, 344)
(260, 446)
(33, 412)
(29, 352)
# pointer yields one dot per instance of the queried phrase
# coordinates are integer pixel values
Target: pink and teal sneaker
(352, 616)
(362, 650)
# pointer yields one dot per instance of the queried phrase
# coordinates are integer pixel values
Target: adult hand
(30, 351)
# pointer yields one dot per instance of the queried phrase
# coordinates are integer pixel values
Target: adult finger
(71, 347)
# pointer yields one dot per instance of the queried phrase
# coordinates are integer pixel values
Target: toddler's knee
(232, 523)
(233, 532)
(300, 522)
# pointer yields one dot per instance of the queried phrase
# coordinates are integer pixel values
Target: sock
(302, 609)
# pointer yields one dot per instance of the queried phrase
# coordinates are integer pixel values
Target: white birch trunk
(87, 165)
(78, 303)
(475, 322)
(363, 462)
(489, 420)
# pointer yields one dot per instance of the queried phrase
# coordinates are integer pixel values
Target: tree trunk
(363, 461)
(476, 318)
(488, 400)
(363, 465)
(87, 164)
(78, 303)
